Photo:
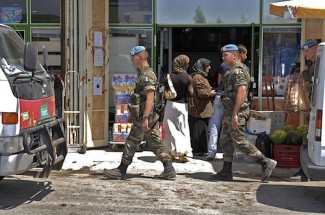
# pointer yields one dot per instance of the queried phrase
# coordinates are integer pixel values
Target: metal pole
(161, 55)
(170, 48)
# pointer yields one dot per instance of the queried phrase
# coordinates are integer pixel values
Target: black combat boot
(117, 173)
(225, 174)
(268, 165)
(168, 173)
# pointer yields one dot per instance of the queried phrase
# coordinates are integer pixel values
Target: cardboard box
(258, 123)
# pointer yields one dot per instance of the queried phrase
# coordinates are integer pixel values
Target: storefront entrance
(201, 42)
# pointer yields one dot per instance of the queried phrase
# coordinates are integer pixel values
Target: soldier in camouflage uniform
(145, 124)
(309, 50)
(236, 113)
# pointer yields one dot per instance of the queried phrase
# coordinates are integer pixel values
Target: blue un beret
(229, 47)
(137, 49)
(309, 43)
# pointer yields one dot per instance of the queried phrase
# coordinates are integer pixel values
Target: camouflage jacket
(308, 74)
(238, 75)
(146, 80)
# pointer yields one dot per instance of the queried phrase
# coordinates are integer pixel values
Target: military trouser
(153, 139)
(230, 138)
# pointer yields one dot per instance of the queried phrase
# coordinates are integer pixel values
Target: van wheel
(1, 177)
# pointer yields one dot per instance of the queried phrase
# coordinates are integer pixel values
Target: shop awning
(299, 8)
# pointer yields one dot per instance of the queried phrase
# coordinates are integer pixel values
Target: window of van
(316, 75)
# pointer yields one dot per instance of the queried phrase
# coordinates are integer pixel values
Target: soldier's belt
(229, 103)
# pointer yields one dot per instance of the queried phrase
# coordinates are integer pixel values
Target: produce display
(278, 137)
(289, 135)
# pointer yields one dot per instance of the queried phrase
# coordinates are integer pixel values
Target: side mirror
(45, 58)
(30, 57)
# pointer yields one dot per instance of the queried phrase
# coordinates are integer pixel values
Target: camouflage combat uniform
(231, 138)
(238, 75)
(307, 75)
(146, 81)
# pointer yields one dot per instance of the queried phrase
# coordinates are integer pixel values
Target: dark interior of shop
(206, 42)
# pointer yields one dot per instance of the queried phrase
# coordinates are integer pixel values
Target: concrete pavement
(95, 160)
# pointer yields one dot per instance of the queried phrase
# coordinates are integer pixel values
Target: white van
(31, 135)
(312, 159)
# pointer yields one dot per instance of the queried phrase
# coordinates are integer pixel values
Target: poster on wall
(97, 86)
(98, 57)
(10, 15)
(98, 41)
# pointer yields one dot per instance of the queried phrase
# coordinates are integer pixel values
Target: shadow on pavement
(128, 177)
(205, 176)
(18, 192)
(150, 159)
(307, 199)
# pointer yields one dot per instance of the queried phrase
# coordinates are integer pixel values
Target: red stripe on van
(318, 131)
(31, 111)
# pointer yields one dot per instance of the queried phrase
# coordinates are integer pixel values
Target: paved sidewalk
(95, 160)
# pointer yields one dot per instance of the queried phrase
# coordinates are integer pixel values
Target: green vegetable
(294, 138)
(288, 128)
(278, 137)
(303, 129)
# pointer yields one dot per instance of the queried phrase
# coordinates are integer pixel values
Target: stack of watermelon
(289, 135)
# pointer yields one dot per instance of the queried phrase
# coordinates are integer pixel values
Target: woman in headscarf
(177, 133)
(200, 106)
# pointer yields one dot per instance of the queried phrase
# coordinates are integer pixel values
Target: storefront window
(45, 34)
(45, 11)
(207, 12)
(21, 34)
(281, 54)
(50, 39)
(13, 11)
(130, 11)
(271, 19)
(121, 42)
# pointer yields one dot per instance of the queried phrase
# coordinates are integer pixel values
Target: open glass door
(164, 52)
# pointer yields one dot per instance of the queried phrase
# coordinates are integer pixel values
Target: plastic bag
(296, 98)
(264, 144)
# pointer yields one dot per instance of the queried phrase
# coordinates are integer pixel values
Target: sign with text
(10, 15)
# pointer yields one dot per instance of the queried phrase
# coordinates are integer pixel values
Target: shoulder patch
(147, 78)
(238, 71)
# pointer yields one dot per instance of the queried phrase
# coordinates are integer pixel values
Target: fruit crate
(287, 155)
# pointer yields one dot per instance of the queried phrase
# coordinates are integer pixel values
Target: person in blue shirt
(218, 109)
(216, 117)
